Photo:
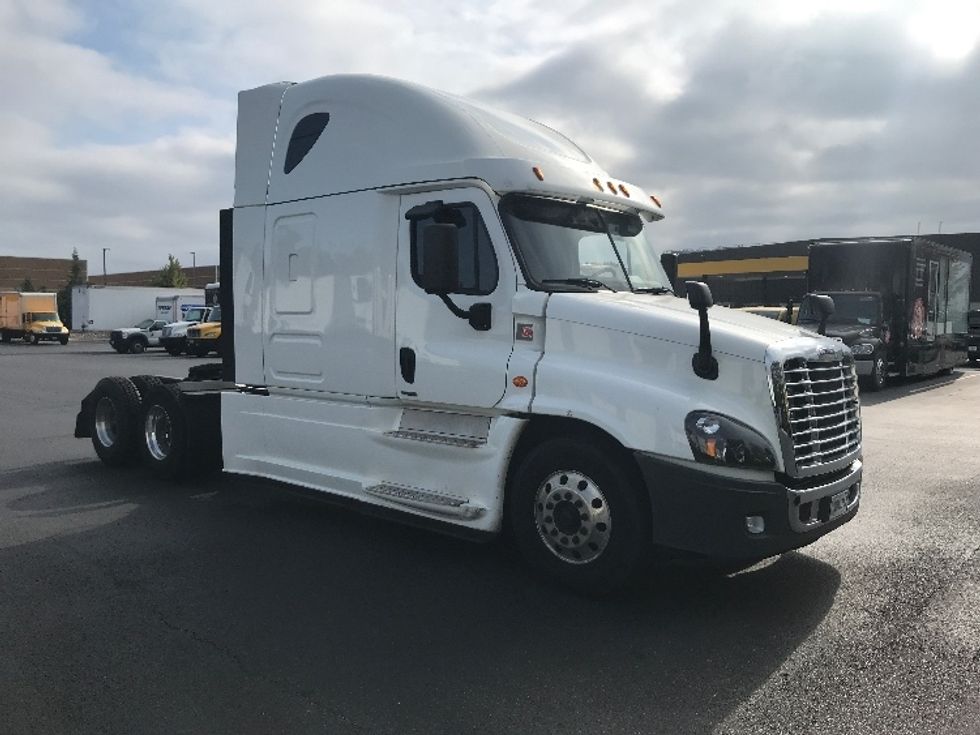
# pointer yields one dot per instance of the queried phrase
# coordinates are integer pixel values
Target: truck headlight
(717, 439)
(862, 348)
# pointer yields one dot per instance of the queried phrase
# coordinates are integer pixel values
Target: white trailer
(102, 308)
(457, 317)
(173, 307)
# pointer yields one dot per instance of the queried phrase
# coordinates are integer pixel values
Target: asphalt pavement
(130, 605)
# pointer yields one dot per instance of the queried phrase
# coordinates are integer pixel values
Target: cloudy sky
(753, 121)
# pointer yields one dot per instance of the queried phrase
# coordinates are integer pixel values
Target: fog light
(755, 524)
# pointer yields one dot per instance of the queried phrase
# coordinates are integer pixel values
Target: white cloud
(756, 121)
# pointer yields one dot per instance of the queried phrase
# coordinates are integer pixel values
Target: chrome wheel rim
(879, 371)
(572, 517)
(106, 422)
(157, 431)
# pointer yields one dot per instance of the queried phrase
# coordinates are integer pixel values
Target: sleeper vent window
(305, 135)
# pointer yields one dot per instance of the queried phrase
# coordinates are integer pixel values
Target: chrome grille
(819, 410)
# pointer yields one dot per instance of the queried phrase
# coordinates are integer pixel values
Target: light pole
(104, 277)
(193, 259)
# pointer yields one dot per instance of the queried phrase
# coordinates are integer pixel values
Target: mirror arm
(704, 363)
(477, 315)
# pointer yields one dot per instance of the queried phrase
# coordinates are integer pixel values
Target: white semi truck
(455, 316)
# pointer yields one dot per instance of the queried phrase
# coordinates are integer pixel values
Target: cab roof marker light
(656, 201)
(537, 172)
(612, 187)
(597, 184)
(625, 191)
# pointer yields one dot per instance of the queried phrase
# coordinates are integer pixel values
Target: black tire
(173, 351)
(136, 345)
(4, 337)
(199, 350)
(35, 339)
(63, 340)
(115, 421)
(879, 374)
(180, 436)
(586, 496)
(145, 383)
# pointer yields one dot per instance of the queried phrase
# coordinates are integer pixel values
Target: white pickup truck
(456, 317)
(137, 338)
(174, 337)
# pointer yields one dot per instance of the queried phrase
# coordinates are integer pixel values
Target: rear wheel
(181, 436)
(577, 515)
(145, 383)
(173, 350)
(114, 421)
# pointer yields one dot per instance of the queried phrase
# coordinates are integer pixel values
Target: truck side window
(477, 261)
(305, 135)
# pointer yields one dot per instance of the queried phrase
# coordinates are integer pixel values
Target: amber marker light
(597, 184)
(625, 191)
(612, 187)
(538, 173)
(655, 201)
(520, 381)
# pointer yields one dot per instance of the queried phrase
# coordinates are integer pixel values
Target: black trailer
(901, 303)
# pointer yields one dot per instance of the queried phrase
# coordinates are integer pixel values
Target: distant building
(197, 277)
(47, 274)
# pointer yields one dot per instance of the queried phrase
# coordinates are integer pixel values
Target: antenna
(940, 225)
(918, 227)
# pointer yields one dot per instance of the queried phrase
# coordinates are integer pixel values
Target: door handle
(406, 360)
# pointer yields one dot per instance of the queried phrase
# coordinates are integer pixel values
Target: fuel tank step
(433, 502)
(452, 440)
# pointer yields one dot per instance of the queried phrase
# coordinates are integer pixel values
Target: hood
(669, 318)
(851, 334)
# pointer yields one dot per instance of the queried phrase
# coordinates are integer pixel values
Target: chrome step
(433, 502)
(433, 437)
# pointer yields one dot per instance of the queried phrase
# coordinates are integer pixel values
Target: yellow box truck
(32, 317)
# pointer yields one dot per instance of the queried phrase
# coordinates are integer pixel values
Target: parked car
(137, 338)
(174, 338)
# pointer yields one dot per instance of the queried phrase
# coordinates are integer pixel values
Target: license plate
(838, 504)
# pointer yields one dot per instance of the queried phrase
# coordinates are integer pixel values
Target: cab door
(439, 357)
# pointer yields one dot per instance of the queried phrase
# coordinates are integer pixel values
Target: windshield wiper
(653, 289)
(587, 282)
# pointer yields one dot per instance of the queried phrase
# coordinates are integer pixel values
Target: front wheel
(35, 339)
(137, 346)
(879, 374)
(577, 514)
(63, 340)
(173, 350)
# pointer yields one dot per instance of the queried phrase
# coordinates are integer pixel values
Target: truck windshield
(145, 324)
(849, 308)
(575, 246)
(44, 316)
(215, 314)
(194, 315)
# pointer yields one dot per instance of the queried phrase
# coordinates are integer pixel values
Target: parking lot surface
(130, 605)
